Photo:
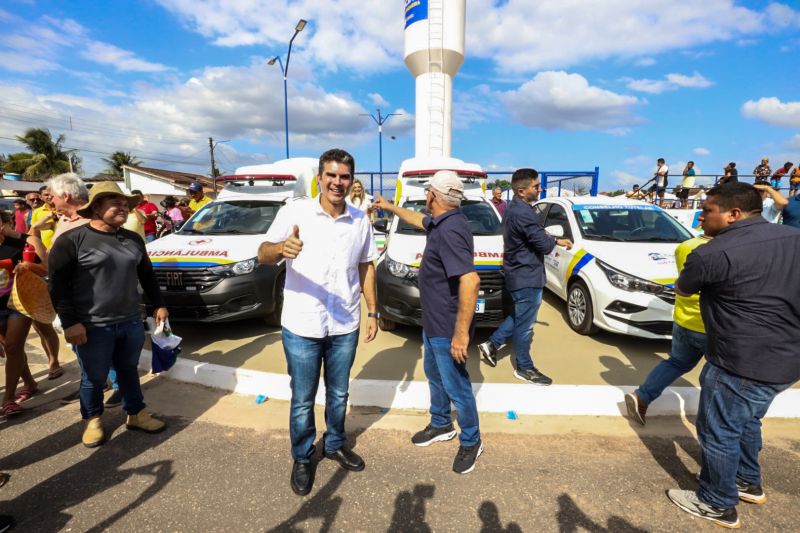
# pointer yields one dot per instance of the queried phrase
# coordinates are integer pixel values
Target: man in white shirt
(661, 180)
(773, 202)
(329, 250)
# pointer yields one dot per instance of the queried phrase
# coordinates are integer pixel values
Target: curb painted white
(588, 400)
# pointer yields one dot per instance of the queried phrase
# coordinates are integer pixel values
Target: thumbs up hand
(293, 245)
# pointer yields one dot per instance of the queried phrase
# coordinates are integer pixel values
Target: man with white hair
(69, 193)
(448, 287)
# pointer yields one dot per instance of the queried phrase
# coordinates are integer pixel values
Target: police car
(620, 273)
(208, 271)
(398, 266)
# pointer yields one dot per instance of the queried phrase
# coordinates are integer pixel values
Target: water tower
(434, 51)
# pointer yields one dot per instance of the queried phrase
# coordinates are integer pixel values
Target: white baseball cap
(447, 182)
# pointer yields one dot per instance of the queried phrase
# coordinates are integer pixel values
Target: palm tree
(119, 159)
(47, 157)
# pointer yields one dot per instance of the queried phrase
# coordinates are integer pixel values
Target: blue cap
(196, 186)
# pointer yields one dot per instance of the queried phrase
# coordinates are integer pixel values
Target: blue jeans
(305, 357)
(449, 382)
(688, 348)
(519, 325)
(729, 431)
(117, 344)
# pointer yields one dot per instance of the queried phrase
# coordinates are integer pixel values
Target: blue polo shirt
(749, 299)
(448, 255)
(791, 213)
(525, 243)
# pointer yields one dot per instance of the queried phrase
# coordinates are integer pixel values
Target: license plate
(174, 279)
(480, 306)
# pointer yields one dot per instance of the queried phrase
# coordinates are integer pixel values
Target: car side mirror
(381, 225)
(555, 231)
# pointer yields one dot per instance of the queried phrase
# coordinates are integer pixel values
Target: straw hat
(105, 188)
(29, 296)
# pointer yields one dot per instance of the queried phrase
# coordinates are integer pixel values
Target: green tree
(46, 156)
(119, 159)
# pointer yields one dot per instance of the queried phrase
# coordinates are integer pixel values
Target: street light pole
(380, 121)
(285, 70)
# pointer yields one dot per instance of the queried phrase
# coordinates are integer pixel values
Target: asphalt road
(223, 465)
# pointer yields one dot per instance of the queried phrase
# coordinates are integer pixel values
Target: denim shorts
(9, 314)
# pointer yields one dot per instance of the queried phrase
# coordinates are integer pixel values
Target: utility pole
(380, 121)
(213, 166)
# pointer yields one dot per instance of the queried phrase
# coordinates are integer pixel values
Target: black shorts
(683, 194)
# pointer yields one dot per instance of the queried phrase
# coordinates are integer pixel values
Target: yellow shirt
(195, 205)
(41, 213)
(687, 308)
(133, 224)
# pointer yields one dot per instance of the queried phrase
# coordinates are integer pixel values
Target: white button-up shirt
(322, 295)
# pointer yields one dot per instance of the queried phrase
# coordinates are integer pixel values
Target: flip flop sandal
(55, 374)
(26, 394)
(11, 409)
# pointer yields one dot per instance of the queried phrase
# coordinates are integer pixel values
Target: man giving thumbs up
(326, 273)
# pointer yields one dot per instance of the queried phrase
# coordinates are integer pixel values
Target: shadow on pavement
(45, 507)
(252, 337)
(490, 520)
(572, 519)
(409, 510)
(323, 504)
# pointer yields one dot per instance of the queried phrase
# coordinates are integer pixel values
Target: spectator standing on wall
(747, 281)
(762, 172)
(498, 202)
(731, 175)
(687, 184)
(661, 178)
(776, 178)
(794, 181)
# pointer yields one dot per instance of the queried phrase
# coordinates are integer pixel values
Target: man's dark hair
(137, 192)
(42, 189)
(787, 165)
(635, 185)
(660, 160)
(522, 178)
(741, 196)
(732, 164)
(338, 155)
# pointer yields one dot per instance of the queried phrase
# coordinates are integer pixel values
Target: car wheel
(580, 313)
(274, 318)
(387, 325)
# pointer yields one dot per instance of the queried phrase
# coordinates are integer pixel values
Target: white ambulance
(208, 270)
(398, 266)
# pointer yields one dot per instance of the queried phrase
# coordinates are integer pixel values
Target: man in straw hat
(448, 287)
(105, 325)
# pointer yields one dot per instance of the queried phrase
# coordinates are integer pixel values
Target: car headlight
(626, 282)
(235, 269)
(401, 270)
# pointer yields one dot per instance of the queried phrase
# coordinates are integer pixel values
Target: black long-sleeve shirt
(525, 243)
(94, 276)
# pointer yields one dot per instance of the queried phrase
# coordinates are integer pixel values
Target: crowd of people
(736, 306)
(688, 194)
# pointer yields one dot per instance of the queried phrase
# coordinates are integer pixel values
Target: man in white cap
(448, 286)
(105, 325)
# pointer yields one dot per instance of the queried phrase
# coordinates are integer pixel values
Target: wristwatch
(372, 315)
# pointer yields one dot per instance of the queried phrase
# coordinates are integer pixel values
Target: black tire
(274, 318)
(580, 312)
(384, 324)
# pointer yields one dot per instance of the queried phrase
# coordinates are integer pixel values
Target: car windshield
(241, 217)
(482, 219)
(641, 223)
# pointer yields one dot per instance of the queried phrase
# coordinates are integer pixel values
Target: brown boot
(142, 421)
(637, 409)
(93, 433)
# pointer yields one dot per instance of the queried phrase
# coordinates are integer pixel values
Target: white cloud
(701, 151)
(37, 46)
(121, 60)
(377, 100)
(367, 35)
(671, 82)
(645, 62)
(773, 111)
(639, 160)
(558, 100)
(782, 16)
(626, 179)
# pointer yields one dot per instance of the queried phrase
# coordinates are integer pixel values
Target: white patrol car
(620, 273)
(208, 270)
(398, 266)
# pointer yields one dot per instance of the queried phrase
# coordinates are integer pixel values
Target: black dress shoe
(302, 478)
(347, 458)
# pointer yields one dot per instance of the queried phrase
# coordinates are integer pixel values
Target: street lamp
(285, 70)
(380, 121)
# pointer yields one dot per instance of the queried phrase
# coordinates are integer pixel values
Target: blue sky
(553, 84)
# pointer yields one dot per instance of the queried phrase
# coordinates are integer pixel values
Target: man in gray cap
(448, 286)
